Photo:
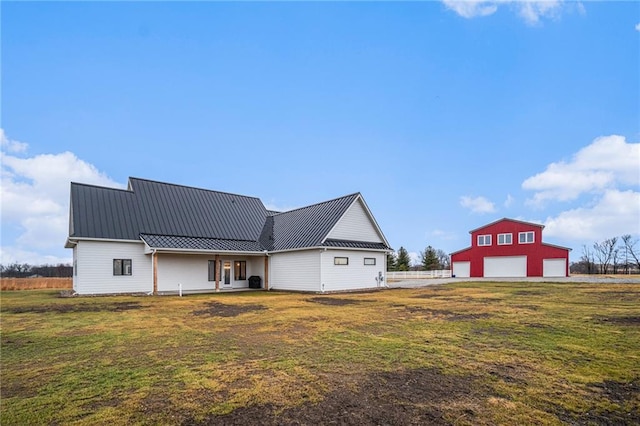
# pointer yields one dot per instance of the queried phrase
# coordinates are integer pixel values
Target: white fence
(418, 275)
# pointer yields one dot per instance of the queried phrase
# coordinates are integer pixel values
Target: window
(121, 266)
(484, 240)
(369, 260)
(526, 237)
(212, 270)
(240, 270)
(340, 260)
(75, 268)
(504, 239)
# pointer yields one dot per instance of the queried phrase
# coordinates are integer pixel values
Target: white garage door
(505, 266)
(554, 267)
(462, 269)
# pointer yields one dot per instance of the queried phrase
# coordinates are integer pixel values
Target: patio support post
(218, 270)
(155, 274)
(266, 272)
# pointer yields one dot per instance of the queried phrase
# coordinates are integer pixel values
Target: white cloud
(606, 163)
(613, 214)
(638, 26)
(530, 10)
(415, 258)
(509, 201)
(443, 235)
(477, 204)
(471, 8)
(9, 145)
(35, 200)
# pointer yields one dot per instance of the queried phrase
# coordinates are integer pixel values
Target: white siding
(355, 225)
(505, 266)
(192, 271)
(189, 270)
(354, 276)
(462, 269)
(296, 270)
(554, 268)
(95, 268)
(75, 268)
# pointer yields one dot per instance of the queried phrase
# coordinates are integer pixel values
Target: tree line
(24, 270)
(431, 259)
(616, 255)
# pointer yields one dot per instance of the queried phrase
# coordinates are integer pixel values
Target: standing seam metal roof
(173, 216)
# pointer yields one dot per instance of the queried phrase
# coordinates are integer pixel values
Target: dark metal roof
(355, 244)
(150, 207)
(308, 226)
(194, 243)
(174, 216)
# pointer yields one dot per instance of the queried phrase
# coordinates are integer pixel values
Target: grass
(489, 353)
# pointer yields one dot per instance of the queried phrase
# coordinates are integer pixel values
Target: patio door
(226, 274)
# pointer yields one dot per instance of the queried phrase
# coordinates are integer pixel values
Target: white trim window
(211, 270)
(526, 237)
(340, 260)
(505, 239)
(369, 260)
(121, 266)
(484, 240)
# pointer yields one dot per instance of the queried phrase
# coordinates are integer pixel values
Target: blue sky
(444, 115)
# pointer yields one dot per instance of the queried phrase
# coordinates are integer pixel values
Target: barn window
(369, 260)
(484, 240)
(504, 239)
(212, 270)
(240, 270)
(340, 260)
(526, 237)
(121, 266)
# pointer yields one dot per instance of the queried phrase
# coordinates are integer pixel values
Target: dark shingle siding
(355, 244)
(196, 243)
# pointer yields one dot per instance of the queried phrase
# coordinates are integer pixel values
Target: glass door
(226, 274)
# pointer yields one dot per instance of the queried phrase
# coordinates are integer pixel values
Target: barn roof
(506, 219)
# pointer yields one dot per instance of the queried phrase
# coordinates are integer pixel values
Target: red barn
(510, 248)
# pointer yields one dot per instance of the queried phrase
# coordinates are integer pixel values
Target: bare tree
(615, 258)
(631, 250)
(604, 253)
(443, 258)
(587, 259)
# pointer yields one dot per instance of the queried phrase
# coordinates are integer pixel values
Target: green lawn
(469, 353)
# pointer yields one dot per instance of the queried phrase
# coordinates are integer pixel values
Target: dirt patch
(77, 307)
(415, 397)
(101, 403)
(445, 314)
(529, 293)
(217, 309)
(619, 392)
(624, 394)
(333, 301)
(631, 320)
(508, 373)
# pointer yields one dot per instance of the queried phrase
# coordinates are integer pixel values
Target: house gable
(356, 224)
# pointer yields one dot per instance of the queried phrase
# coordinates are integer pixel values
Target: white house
(161, 238)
